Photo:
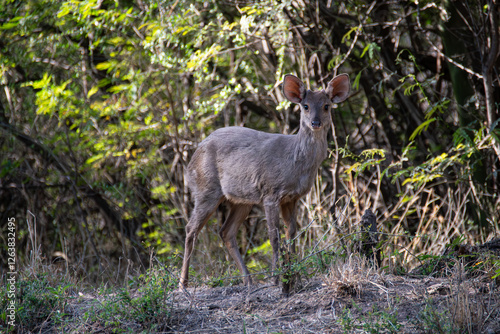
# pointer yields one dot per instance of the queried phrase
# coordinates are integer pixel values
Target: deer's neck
(311, 146)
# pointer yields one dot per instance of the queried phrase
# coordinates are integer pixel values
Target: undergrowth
(47, 302)
(374, 321)
(147, 308)
(40, 303)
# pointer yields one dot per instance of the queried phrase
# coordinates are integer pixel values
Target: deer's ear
(293, 89)
(338, 88)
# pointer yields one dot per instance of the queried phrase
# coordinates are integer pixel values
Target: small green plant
(430, 320)
(148, 308)
(216, 282)
(497, 269)
(346, 321)
(228, 277)
(382, 321)
(432, 265)
(375, 321)
(38, 301)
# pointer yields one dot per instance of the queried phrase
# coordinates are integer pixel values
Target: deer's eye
(306, 107)
(326, 107)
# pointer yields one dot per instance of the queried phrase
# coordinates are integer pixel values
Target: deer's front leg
(288, 213)
(272, 216)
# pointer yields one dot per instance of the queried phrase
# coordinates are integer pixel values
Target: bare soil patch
(388, 304)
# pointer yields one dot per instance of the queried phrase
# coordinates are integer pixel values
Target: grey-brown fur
(246, 167)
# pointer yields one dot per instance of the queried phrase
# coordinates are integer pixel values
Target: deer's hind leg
(204, 207)
(228, 233)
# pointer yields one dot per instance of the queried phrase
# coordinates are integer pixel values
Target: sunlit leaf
(422, 127)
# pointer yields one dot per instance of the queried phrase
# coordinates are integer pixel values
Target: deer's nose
(315, 124)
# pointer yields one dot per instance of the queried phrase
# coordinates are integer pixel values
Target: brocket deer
(246, 167)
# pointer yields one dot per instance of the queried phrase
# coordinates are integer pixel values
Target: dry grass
(468, 314)
(347, 275)
(353, 296)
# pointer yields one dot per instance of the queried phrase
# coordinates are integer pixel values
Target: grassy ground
(447, 294)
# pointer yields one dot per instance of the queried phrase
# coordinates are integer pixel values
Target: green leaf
(347, 36)
(364, 50)
(94, 158)
(355, 84)
(65, 10)
(104, 65)
(42, 83)
(118, 88)
(9, 25)
(421, 127)
(92, 91)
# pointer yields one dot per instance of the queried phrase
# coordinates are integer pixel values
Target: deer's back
(249, 166)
